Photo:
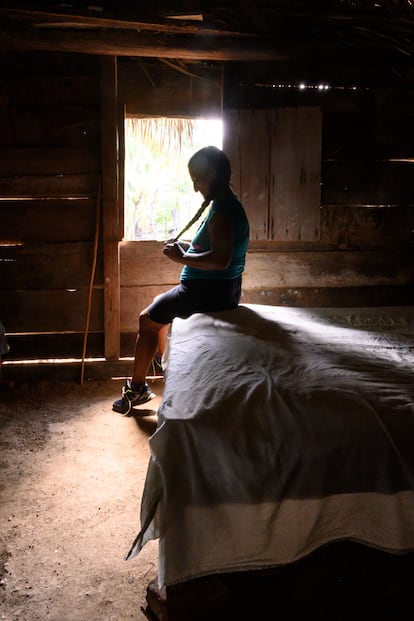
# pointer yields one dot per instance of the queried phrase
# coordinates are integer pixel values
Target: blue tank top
(230, 206)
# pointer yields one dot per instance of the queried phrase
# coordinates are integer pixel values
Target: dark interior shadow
(146, 420)
(249, 322)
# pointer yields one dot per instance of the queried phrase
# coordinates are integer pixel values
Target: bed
(281, 431)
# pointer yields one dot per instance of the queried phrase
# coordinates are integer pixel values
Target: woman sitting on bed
(213, 264)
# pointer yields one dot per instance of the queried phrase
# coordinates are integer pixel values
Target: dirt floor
(72, 473)
(71, 477)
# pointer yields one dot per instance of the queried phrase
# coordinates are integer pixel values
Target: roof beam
(128, 43)
(49, 19)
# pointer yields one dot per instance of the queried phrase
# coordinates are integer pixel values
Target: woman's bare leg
(162, 339)
(146, 345)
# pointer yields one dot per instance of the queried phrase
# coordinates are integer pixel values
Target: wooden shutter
(276, 161)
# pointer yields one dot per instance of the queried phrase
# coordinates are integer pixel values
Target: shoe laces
(128, 394)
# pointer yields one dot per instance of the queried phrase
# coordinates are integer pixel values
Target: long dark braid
(194, 219)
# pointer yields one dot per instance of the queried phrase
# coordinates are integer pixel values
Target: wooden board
(45, 64)
(246, 143)
(53, 126)
(143, 263)
(368, 227)
(367, 182)
(66, 371)
(56, 186)
(276, 158)
(46, 346)
(53, 89)
(110, 192)
(331, 296)
(48, 266)
(154, 90)
(46, 161)
(295, 174)
(329, 269)
(52, 220)
(50, 310)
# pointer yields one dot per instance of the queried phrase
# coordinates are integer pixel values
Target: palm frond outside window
(159, 195)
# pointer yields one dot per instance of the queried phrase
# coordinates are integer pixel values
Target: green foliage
(159, 195)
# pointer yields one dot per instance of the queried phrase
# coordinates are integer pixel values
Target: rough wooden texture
(40, 89)
(58, 186)
(295, 174)
(246, 142)
(366, 182)
(329, 269)
(368, 227)
(346, 297)
(143, 263)
(52, 126)
(110, 204)
(19, 65)
(61, 310)
(48, 161)
(48, 266)
(52, 220)
(49, 166)
(126, 43)
(276, 157)
(150, 90)
(60, 346)
(65, 371)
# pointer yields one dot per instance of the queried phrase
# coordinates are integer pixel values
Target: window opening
(159, 194)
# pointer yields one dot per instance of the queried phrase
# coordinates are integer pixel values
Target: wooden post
(110, 205)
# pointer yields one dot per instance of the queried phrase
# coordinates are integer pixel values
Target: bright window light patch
(159, 195)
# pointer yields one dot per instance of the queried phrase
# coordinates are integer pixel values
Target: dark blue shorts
(195, 296)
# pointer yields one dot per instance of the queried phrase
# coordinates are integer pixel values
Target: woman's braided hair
(218, 160)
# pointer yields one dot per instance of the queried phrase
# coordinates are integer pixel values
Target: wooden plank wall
(276, 160)
(50, 164)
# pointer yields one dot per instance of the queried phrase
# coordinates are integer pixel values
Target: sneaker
(131, 397)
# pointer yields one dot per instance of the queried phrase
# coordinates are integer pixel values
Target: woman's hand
(173, 251)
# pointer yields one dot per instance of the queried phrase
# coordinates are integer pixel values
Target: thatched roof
(323, 38)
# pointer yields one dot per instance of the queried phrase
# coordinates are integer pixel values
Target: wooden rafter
(127, 43)
(48, 19)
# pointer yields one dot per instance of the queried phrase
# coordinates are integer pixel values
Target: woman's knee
(146, 324)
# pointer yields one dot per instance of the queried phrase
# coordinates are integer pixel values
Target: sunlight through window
(159, 195)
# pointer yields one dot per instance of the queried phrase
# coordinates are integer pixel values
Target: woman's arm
(220, 230)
